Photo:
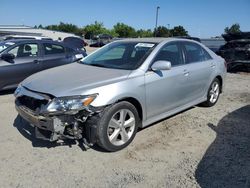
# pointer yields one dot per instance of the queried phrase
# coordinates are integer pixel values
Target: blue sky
(202, 18)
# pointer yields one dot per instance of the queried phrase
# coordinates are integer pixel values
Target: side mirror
(8, 57)
(161, 65)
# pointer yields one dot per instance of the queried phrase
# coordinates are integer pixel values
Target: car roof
(21, 41)
(156, 39)
(16, 41)
(28, 36)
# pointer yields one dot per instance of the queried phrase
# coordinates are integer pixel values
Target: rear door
(200, 67)
(54, 55)
(25, 63)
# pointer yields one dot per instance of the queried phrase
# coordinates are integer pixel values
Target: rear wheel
(117, 126)
(213, 93)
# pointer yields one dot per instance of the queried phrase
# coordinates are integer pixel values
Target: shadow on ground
(7, 92)
(226, 163)
(29, 133)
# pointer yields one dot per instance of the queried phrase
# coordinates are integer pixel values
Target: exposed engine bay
(53, 126)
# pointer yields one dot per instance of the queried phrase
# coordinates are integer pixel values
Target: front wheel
(117, 126)
(213, 93)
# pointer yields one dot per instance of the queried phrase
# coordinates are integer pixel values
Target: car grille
(32, 103)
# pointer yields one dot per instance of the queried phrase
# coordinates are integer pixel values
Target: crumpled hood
(73, 79)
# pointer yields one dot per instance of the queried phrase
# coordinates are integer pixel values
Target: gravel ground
(201, 147)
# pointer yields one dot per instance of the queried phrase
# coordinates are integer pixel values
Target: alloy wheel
(121, 127)
(214, 92)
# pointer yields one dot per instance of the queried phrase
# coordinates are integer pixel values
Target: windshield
(120, 55)
(4, 45)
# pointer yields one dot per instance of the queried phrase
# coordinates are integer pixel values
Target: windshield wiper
(96, 65)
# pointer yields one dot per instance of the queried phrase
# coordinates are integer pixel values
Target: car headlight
(18, 89)
(75, 103)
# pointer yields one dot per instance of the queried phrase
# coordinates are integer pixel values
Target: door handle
(185, 72)
(212, 65)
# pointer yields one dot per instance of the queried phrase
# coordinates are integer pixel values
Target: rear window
(53, 49)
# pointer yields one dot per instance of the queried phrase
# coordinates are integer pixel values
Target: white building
(30, 31)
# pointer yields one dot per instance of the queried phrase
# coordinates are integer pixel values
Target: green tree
(94, 29)
(235, 28)
(111, 32)
(65, 27)
(124, 30)
(144, 33)
(178, 31)
(162, 31)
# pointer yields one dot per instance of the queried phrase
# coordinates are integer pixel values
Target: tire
(211, 101)
(114, 132)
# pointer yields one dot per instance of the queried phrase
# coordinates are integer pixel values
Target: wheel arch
(221, 82)
(136, 103)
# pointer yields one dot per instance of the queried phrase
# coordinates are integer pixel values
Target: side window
(53, 49)
(170, 52)
(114, 53)
(195, 53)
(25, 50)
(14, 51)
(207, 56)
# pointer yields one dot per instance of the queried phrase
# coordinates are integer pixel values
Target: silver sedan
(124, 85)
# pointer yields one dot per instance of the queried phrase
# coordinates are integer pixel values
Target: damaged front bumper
(58, 126)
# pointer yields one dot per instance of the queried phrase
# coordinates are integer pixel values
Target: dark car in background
(101, 40)
(236, 51)
(76, 43)
(237, 54)
(22, 58)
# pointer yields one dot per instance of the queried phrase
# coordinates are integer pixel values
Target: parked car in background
(125, 85)
(21, 58)
(100, 40)
(236, 54)
(236, 51)
(76, 43)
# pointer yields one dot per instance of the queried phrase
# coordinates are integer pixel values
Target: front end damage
(55, 126)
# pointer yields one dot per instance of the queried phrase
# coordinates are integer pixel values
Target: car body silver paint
(159, 95)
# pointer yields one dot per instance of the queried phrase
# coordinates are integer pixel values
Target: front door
(25, 63)
(165, 90)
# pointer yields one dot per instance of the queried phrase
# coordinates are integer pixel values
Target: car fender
(112, 93)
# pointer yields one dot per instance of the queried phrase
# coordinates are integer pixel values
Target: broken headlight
(75, 103)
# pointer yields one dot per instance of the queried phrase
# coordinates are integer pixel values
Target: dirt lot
(202, 147)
